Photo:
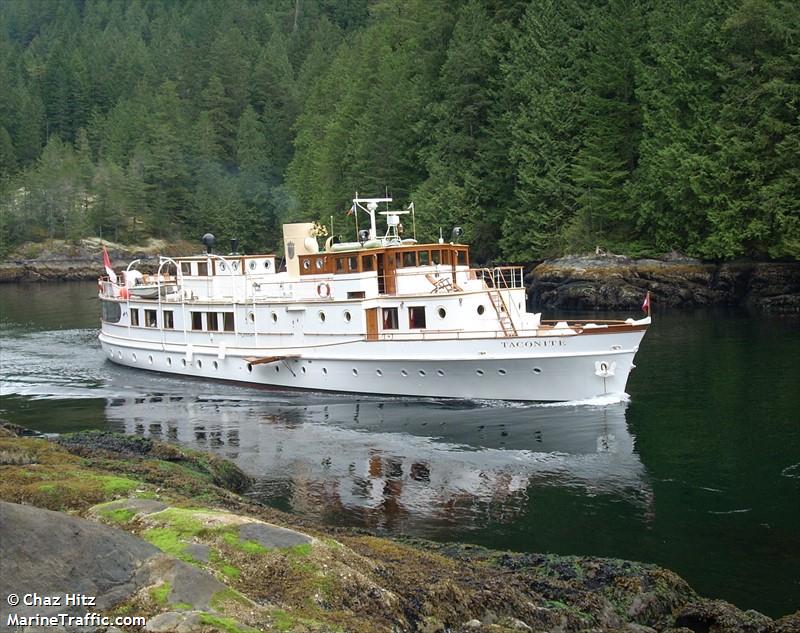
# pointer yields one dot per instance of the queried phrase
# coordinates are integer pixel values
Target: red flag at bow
(112, 276)
(646, 304)
(351, 210)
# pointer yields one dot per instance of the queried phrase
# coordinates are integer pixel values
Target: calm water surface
(699, 470)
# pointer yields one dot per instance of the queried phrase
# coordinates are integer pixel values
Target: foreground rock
(150, 548)
(619, 283)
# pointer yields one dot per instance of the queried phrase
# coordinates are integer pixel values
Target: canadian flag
(107, 264)
(646, 303)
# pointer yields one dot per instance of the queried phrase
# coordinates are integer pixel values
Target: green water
(699, 471)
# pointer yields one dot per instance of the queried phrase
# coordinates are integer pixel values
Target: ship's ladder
(502, 312)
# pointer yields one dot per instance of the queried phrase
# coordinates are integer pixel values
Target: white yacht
(381, 315)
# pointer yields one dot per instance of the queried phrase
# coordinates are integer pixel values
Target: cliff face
(620, 283)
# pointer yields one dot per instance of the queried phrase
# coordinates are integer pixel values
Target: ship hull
(522, 368)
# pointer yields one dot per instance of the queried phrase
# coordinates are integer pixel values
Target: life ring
(323, 290)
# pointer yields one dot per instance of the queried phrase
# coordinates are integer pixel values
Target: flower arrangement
(319, 230)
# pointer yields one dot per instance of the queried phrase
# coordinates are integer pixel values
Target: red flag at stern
(112, 276)
(646, 303)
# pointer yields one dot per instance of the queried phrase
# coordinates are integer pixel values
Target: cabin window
(227, 321)
(111, 311)
(150, 319)
(202, 269)
(424, 258)
(197, 320)
(409, 259)
(462, 257)
(352, 264)
(340, 264)
(213, 321)
(368, 262)
(436, 257)
(169, 320)
(446, 258)
(135, 316)
(186, 268)
(360, 294)
(390, 320)
(416, 317)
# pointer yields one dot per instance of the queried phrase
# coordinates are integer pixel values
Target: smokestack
(234, 246)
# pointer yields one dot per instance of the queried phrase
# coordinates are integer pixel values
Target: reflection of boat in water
(393, 463)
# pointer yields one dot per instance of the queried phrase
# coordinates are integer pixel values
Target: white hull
(474, 369)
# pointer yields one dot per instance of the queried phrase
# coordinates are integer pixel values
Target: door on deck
(372, 324)
(387, 281)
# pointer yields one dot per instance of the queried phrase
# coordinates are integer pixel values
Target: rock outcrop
(618, 283)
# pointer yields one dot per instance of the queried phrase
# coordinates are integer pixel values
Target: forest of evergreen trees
(540, 126)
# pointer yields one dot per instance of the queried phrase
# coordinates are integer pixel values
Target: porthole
(403, 373)
(267, 264)
(249, 367)
(481, 309)
(537, 370)
(215, 365)
(502, 372)
(251, 265)
(378, 372)
(355, 371)
(235, 265)
(133, 356)
(306, 265)
(150, 359)
(223, 267)
(479, 372)
(321, 316)
(442, 313)
(422, 372)
(347, 316)
(251, 316)
(325, 370)
(199, 364)
(119, 355)
(183, 362)
(440, 372)
(111, 354)
(319, 263)
(274, 317)
(169, 361)
(277, 369)
(303, 369)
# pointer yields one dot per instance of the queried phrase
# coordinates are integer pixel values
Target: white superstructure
(381, 315)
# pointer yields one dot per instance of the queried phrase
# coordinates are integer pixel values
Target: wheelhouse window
(169, 320)
(340, 264)
(197, 320)
(436, 257)
(409, 259)
(368, 262)
(202, 269)
(213, 321)
(186, 269)
(416, 317)
(111, 311)
(352, 264)
(461, 257)
(390, 320)
(227, 321)
(424, 258)
(150, 318)
(135, 316)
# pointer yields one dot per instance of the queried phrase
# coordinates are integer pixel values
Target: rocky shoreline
(597, 282)
(162, 532)
(611, 282)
